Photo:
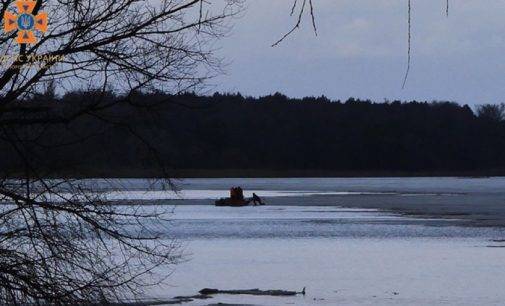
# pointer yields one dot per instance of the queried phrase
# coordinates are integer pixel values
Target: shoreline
(134, 173)
(311, 173)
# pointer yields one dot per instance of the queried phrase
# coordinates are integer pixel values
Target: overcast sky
(361, 51)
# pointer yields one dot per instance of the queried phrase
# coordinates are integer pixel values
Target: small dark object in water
(196, 297)
(209, 291)
(236, 199)
(231, 202)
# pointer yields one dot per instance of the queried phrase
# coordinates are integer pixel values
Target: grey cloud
(361, 51)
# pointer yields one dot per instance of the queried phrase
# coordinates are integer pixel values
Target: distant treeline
(236, 135)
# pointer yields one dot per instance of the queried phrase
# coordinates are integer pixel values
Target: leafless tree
(61, 241)
(492, 112)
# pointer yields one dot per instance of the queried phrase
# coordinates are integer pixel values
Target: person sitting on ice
(257, 200)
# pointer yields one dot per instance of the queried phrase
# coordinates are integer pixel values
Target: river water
(310, 236)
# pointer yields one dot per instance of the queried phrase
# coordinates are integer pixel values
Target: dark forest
(232, 135)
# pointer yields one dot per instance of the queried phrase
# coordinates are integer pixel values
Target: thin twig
(299, 17)
(408, 43)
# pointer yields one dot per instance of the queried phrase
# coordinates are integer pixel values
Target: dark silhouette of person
(233, 193)
(240, 193)
(257, 200)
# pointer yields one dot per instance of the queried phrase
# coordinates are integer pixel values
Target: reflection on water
(432, 185)
(343, 256)
(345, 271)
(287, 222)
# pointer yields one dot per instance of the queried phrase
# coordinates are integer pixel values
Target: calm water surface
(343, 256)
